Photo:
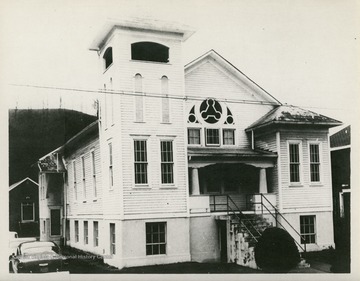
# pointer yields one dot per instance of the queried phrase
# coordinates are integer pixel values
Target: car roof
(36, 244)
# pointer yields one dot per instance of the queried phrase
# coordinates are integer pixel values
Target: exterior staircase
(245, 231)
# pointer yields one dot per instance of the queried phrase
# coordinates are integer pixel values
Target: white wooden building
(179, 153)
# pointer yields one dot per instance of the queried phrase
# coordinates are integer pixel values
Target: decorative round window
(210, 111)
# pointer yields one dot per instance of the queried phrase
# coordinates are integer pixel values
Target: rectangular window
(55, 222)
(228, 137)
(74, 180)
(212, 137)
(83, 176)
(294, 162)
(111, 175)
(315, 162)
(112, 239)
(93, 171)
(96, 234)
(27, 212)
(141, 164)
(76, 231)
(167, 162)
(156, 238)
(307, 229)
(86, 233)
(193, 136)
(67, 233)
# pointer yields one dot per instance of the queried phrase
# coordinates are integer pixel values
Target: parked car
(37, 257)
(15, 241)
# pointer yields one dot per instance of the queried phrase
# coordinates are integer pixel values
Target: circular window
(210, 111)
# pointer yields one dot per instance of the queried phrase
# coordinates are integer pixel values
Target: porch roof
(229, 152)
(203, 156)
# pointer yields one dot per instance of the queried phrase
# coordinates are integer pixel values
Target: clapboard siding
(207, 80)
(307, 194)
(126, 198)
(92, 205)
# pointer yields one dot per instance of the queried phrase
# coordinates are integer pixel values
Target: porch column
(195, 186)
(262, 181)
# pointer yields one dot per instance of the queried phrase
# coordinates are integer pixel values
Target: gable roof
(341, 138)
(11, 187)
(238, 74)
(51, 161)
(289, 114)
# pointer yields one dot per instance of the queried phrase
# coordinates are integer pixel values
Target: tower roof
(140, 24)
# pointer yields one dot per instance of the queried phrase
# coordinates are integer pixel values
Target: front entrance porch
(215, 187)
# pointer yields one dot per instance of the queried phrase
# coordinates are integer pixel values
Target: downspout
(65, 209)
(252, 140)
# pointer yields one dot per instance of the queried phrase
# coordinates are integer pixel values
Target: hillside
(35, 132)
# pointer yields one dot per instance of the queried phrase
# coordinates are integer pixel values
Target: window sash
(93, 173)
(112, 239)
(86, 232)
(96, 233)
(294, 157)
(193, 136)
(229, 137)
(83, 175)
(27, 212)
(76, 231)
(140, 162)
(156, 238)
(212, 136)
(111, 174)
(307, 229)
(315, 162)
(167, 162)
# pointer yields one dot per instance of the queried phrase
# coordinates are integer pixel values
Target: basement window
(149, 51)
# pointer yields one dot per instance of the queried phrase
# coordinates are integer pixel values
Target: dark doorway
(55, 222)
(222, 240)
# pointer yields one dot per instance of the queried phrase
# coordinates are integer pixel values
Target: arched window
(108, 57)
(149, 51)
(139, 99)
(165, 105)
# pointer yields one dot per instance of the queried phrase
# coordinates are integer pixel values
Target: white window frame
(83, 176)
(93, 173)
(220, 136)
(75, 187)
(165, 93)
(139, 94)
(76, 231)
(112, 239)
(188, 135)
(22, 211)
(96, 234)
(147, 184)
(320, 162)
(86, 233)
(156, 243)
(315, 229)
(111, 165)
(301, 162)
(172, 140)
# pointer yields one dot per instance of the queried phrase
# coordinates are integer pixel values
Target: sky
(304, 53)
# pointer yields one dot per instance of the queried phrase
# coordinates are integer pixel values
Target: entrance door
(55, 222)
(223, 241)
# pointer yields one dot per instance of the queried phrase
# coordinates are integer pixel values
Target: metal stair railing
(240, 216)
(277, 222)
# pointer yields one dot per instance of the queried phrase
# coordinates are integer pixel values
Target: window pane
(155, 238)
(228, 137)
(28, 212)
(307, 229)
(193, 136)
(212, 136)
